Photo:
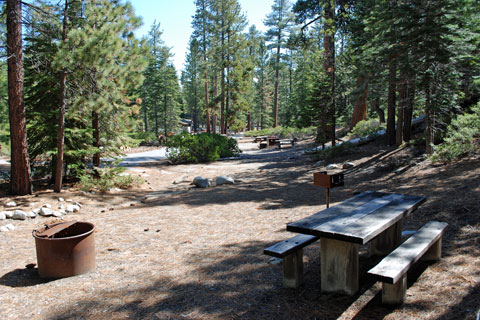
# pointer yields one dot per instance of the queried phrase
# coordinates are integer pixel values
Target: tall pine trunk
(96, 137)
(277, 76)
(20, 177)
(429, 122)
(392, 99)
(360, 106)
(408, 112)
(61, 113)
(329, 67)
(402, 103)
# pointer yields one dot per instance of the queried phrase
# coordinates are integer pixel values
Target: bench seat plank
(287, 247)
(397, 263)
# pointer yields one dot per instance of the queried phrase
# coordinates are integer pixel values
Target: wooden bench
(260, 139)
(426, 243)
(285, 142)
(291, 251)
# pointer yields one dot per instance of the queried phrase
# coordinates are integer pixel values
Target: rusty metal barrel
(65, 249)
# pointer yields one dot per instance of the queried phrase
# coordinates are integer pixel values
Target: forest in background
(91, 87)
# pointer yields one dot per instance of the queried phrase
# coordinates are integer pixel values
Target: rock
(319, 163)
(11, 204)
(57, 214)
(8, 214)
(72, 208)
(200, 182)
(61, 206)
(224, 180)
(348, 165)
(10, 227)
(31, 214)
(45, 212)
(46, 205)
(333, 166)
(4, 229)
(179, 180)
(61, 200)
(78, 204)
(36, 211)
(63, 211)
(275, 261)
(3, 216)
(19, 215)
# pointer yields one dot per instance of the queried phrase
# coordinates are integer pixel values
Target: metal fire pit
(65, 249)
(328, 180)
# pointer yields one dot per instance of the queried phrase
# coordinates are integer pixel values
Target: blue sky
(175, 17)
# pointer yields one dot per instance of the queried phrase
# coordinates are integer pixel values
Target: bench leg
(394, 293)
(387, 241)
(434, 253)
(293, 269)
(339, 266)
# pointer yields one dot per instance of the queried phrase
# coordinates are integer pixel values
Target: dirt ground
(170, 251)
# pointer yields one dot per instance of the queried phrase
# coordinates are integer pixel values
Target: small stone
(78, 204)
(10, 227)
(36, 211)
(30, 265)
(69, 200)
(348, 165)
(63, 211)
(31, 214)
(11, 204)
(47, 205)
(72, 208)
(4, 229)
(19, 215)
(147, 229)
(224, 180)
(319, 163)
(61, 206)
(3, 216)
(333, 166)
(8, 214)
(57, 214)
(31, 204)
(45, 212)
(61, 200)
(179, 180)
(275, 261)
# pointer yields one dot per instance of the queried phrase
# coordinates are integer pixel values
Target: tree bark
(20, 177)
(96, 137)
(392, 97)
(277, 75)
(329, 67)
(402, 104)
(378, 110)
(61, 113)
(429, 122)
(360, 106)
(408, 112)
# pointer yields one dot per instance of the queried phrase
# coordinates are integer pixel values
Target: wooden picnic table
(369, 217)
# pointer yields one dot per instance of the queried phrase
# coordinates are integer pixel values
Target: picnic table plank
(352, 221)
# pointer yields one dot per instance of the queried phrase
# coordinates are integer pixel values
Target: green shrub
(365, 128)
(286, 132)
(198, 148)
(332, 152)
(462, 138)
(103, 179)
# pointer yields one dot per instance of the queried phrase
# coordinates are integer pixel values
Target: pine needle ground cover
(170, 251)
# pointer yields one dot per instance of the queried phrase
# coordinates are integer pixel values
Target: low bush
(198, 148)
(462, 138)
(332, 152)
(365, 128)
(103, 179)
(284, 132)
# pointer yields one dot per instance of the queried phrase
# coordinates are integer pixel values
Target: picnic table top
(358, 219)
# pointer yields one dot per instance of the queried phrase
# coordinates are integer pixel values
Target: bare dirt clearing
(170, 251)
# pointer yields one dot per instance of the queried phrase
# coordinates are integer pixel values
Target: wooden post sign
(328, 180)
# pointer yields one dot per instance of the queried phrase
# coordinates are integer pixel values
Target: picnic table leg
(293, 269)
(339, 266)
(387, 241)
(394, 293)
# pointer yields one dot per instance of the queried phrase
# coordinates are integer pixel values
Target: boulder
(3, 216)
(348, 165)
(200, 182)
(8, 214)
(46, 205)
(19, 215)
(45, 212)
(4, 229)
(224, 180)
(10, 227)
(31, 214)
(72, 208)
